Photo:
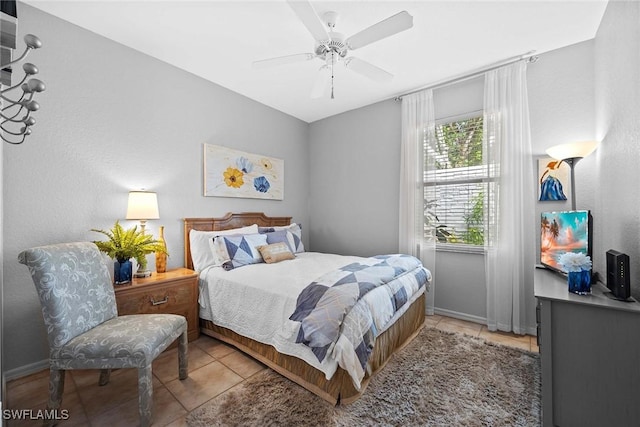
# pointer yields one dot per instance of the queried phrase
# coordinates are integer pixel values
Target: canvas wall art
(234, 173)
(554, 180)
(562, 232)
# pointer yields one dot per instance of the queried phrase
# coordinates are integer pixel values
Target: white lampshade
(572, 150)
(142, 205)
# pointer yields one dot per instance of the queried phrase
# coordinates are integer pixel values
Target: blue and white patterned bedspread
(339, 316)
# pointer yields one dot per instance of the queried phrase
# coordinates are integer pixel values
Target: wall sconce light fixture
(14, 129)
(13, 107)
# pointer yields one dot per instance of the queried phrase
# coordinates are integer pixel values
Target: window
(456, 181)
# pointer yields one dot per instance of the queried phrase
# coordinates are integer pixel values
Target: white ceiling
(218, 41)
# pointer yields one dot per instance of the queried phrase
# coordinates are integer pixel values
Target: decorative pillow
(278, 237)
(239, 250)
(295, 238)
(290, 234)
(275, 252)
(200, 243)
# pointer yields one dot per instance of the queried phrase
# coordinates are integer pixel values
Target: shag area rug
(439, 379)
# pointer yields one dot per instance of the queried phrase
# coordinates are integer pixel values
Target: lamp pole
(571, 161)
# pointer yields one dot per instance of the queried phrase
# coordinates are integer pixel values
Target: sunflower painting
(233, 173)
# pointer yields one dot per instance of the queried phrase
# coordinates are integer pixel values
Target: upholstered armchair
(83, 326)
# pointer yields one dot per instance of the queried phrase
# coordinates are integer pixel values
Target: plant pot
(122, 272)
(579, 282)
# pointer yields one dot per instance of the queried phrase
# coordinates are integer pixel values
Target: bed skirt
(340, 388)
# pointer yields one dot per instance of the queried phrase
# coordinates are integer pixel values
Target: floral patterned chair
(83, 326)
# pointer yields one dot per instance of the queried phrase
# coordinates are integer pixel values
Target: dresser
(590, 355)
(173, 292)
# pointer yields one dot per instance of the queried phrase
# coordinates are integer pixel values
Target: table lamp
(142, 206)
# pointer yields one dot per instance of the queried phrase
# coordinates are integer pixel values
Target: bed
(293, 363)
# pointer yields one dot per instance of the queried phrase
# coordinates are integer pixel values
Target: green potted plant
(126, 244)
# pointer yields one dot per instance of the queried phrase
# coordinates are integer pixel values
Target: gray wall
(354, 170)
(355, 165)
(113, 120)
(613, 174)
(562, 97)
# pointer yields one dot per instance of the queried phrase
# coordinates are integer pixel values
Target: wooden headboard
(230, 220)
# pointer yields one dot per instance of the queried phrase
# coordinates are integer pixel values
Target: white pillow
(201, 244)
(277, 227)
(285, 227)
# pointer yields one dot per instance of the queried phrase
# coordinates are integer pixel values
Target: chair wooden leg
(105, 374)
(56, 389)
(145, 395)
(183, 359)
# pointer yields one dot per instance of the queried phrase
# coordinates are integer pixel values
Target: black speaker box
(618, 274)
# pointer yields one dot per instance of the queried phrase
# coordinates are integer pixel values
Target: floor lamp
(571, 153)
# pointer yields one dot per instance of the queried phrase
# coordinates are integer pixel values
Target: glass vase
(161, 258)
(579, 282)
(122, 272)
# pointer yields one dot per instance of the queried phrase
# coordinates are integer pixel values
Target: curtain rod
(528, 56)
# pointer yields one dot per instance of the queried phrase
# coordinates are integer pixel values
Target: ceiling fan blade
(367, 69)
(321, 84)
(394, 24)
(310, 19)
(282, 60)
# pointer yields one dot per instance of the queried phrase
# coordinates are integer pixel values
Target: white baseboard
(461, 316)
(26, 370)
(529, 330)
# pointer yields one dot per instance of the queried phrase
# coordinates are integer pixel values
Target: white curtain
(509, 225)
(417, 238)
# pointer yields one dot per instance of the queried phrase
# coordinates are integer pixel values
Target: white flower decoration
(575, 261)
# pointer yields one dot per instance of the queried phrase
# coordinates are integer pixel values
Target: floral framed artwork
(553, 180)
(234, 173)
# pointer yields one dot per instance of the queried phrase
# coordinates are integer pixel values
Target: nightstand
(173, 292)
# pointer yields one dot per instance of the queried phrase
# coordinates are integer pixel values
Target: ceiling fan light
(332, 47)
(330, 18)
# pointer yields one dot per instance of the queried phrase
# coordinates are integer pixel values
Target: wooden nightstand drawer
(173, 292)
(156, 299)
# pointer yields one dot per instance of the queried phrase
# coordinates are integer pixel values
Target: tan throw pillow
(275, 252)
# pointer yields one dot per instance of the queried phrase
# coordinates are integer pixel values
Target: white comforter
(256, 301)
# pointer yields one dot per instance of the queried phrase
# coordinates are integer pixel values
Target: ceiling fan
(332, 47)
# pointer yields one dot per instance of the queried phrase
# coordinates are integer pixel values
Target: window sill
(464, 249)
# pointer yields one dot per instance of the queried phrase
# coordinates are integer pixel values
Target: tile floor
(116, 404)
